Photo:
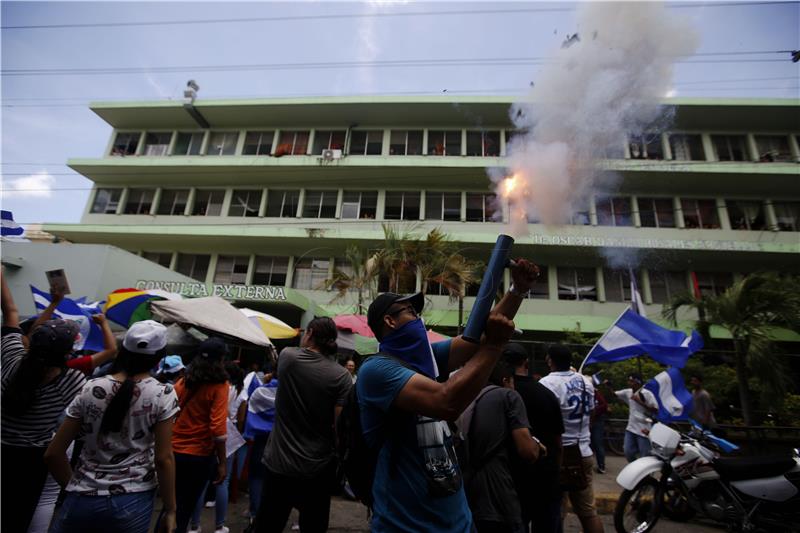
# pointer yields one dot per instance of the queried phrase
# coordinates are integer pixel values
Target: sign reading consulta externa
(231, 292)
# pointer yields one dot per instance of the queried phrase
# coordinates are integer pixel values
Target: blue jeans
(636, 446)
(221, 498)
(121, 513)
(257, 472)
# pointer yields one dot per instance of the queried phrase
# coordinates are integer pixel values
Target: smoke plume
(602, 85)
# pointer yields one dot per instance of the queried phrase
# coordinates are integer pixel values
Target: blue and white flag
(633, 335)
(674, 400)
(260, 399)
(91, 335)
(636, 298)
(9, 227)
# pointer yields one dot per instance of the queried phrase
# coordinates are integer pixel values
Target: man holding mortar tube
(405, 396)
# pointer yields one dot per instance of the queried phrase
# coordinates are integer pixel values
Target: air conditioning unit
(330, 155)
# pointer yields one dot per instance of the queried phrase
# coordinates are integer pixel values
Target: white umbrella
(272, 327)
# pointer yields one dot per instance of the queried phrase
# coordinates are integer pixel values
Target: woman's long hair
(235, 375)
(24, 384)
(204, 370)
(131, 364)
(323, 335)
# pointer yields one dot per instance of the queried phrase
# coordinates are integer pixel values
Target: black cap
(54, 336)
(381, 304)
(515, 354)
(213, 348)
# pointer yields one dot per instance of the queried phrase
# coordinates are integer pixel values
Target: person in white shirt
(576, 398)
(641, 404)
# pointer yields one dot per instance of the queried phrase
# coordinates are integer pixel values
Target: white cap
(145, 337)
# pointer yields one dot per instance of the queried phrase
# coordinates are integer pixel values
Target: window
(324, 140)
(700, 213)
(646, 146)
(342, 267)
(444, 142)
(157, 143)
(618, 285)
(656, 212)
(231, 269)
(208, 202)
(292, 143)
(577, 283)
(746, 215)
(686, 147)
(106, 201)
(162, 258)
(541, 287)
(258, 142)
(188, 143)
(139, 201)
(270, 270)
(666, 285)
(245, 203)
(173, 201)
(401, 206)
(483, 143)
(481, 207)
(126, 143)
(282, 204)
(366, 143)
(404, 142)
(787, 215)
(442, 206)
(773, 148)
(310, 273)
(356, 204)
(713, 283)
(320, 204)
(222, 143)
(614, 212)
(193, 265)
(730, 147)
(580, 218)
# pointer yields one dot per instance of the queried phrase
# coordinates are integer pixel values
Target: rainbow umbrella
(353, 323)
(271, 326)
(126, 306)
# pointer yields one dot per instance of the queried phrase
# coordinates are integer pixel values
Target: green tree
(749, 310)
(358, 275)
(397, 257)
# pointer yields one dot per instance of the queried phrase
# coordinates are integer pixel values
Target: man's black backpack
(357, 460)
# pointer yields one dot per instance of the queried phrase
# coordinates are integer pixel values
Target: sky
(743, 52)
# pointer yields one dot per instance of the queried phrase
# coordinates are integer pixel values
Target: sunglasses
(409, 308)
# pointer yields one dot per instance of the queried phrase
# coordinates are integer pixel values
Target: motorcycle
(686, 475)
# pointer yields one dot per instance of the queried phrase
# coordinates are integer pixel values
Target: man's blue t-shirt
(414, 449)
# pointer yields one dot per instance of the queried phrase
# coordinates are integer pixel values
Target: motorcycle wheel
(638, 510)
(676, 506)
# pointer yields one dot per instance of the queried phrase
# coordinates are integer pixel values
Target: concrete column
(190, 201)
(140, 145)
(636, 218)
(463, 206)
(156, 201)
(601, 284)
(251, 269)
(722, 213)
(592, 212)
(310, 146)
(226, 203)
(204, 144)
(240, 142)
(626, 147)
(172, 142)
(463, 142)
(300, 201)
(708, 147)
(173, 261)
(506, 279)
(418, 280)
(769, 213)
(678, 207)
(506, 206)
(212, 269)
(110, 143)
(752, 146)
(290, 271)
(794, 148)
(422, 205)
(502, 143)
(647, 293)
(665, 146)
(262, 206)
(380, 208)
(123, 199)
(425, 141)
(387, 138)
(552, 282)
(339, 196)
(275, 142)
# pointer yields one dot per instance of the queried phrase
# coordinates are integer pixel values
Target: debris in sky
(570, 40)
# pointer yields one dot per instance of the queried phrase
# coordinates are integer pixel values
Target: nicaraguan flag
(260, 399)
(636, 298)
(9, 227)
(91, 336)
(674, 401)
(633, 335)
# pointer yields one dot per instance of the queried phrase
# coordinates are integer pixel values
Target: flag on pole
(637, 305)
(9, 227)
(91, 336)
(674, 400)
(632, 335)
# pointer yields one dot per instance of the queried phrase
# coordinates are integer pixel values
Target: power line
(377, 15)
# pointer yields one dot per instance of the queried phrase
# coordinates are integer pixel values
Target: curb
(604, 502)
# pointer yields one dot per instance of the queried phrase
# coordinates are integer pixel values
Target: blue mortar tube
(491, 282)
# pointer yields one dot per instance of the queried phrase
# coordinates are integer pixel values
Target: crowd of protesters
(464, 439)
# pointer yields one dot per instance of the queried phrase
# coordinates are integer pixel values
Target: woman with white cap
(126, 418)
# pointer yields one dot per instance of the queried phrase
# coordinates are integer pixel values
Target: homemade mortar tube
(488, 289)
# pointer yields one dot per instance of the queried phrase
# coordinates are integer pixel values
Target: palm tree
(455, 273)
(359, 274)
(750, 309)
(397, 257)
